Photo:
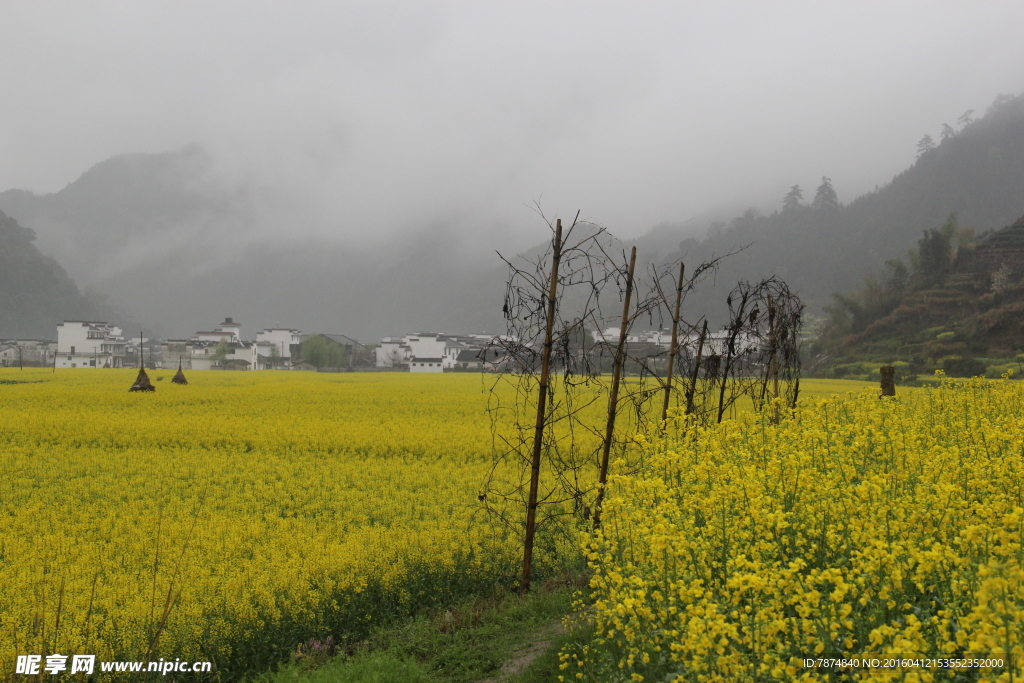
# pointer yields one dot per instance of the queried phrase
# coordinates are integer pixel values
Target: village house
(27, 353)
(89, 344)
(238, 355)
(223, 349)
(175, 352)
(433, 352)
(278, 348)
(99, 344)
(228, 330)
(393, 352)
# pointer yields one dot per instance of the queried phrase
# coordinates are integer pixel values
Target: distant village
(94, 344)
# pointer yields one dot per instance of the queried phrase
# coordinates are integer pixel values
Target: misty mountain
(178, 247)
(976, 171)
(168, 241)
(134, 209)
(35, 292)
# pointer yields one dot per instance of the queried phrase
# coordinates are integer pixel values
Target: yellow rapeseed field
(230, 519)
(883, 531)
(237, 517)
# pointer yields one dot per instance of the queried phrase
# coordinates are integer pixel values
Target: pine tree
(925, 144)
(793, 199)
(825, 198)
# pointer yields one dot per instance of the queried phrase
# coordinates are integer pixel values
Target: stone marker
(888, 373)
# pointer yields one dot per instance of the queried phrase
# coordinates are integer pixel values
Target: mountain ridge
(36, 291)
(175, 246)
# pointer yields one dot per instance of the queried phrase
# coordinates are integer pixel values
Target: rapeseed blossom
(859, 528)
(234, 518)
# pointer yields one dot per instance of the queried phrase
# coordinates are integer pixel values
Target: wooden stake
(613, 395)
(776, 416)
(725, 374)
(675, 338)
(538, 430)
(696, 368)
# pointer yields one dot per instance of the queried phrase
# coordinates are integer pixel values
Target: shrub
(958, 366)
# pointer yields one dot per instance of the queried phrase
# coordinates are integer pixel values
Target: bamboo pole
(675, 341)
(725, 373)
(773, 336)
(538, 431)
(613, 395)
(696, 368)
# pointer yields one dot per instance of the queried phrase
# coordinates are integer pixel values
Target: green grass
(544, 668)
(467, 642)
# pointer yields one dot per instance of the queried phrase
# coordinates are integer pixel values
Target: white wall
(392, 352)
(71, 334)
(424, 346)
(434, 365)
(281, 339)
(88, 344)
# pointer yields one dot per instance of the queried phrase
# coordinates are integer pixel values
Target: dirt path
(538, 642)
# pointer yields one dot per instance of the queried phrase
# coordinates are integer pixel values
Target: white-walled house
(611, 336)
(89, 344)
(393, 352)
(426, 345)
(432, 352)
(239, 356)
(420, 364)
(27, 352)
(228, 330)
(277, 347)
(717, 343)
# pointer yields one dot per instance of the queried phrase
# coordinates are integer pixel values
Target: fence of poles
(562, 361)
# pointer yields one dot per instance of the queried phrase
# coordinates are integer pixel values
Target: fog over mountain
(353, 168)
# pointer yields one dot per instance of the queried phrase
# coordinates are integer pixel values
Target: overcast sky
(389, 116)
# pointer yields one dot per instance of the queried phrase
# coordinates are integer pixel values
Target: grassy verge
(545, 668)
(464, 643)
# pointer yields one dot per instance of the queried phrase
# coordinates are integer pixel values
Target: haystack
(142, 382)
(179, 376)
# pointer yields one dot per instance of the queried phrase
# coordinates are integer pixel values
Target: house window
(72, 350)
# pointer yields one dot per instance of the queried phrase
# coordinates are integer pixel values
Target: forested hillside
(821, 246)
(957, 305)
(35, 292)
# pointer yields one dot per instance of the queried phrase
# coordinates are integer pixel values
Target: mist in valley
(354, 168)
